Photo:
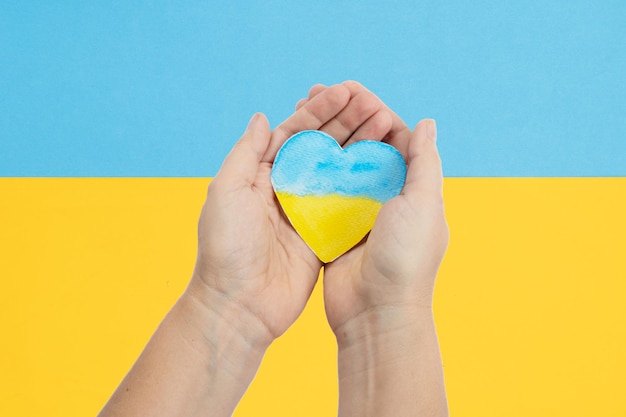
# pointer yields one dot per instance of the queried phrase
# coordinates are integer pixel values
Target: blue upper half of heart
(312, 163)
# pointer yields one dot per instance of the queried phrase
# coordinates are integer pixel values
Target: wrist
(195, 361)
(389, 364)
(218, 317)
(383, 326)
(228, 345)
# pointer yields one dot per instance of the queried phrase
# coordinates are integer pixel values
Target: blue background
(164, 88)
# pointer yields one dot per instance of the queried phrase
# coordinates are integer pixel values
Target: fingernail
(252, 122)
(431, 130)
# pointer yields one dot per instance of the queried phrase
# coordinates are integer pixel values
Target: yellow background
(530, 302)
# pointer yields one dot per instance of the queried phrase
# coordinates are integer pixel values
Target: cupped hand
(395, 267)
(251, 263)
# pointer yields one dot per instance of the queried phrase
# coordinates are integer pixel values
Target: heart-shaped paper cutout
(333, 195)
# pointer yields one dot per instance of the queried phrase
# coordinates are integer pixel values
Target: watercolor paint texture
(332, 195)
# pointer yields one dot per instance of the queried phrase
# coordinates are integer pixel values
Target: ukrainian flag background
(114, 115)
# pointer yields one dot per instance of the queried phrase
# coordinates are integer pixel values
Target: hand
(378, 295)
(250, 257)
(398, 262)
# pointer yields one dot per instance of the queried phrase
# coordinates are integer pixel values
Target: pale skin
(254, 275)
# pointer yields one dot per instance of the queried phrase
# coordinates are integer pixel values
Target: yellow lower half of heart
(330, 224)
(529, 302)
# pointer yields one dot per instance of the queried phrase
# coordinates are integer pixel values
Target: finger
(399, 138)
(398, 127)
(424, 180)
(399, 130)
(362, 106)
(316, 89)
(397, 135)
(313, 91)
(301, 103)
(241, 165)
(313, 115)
(374, 128)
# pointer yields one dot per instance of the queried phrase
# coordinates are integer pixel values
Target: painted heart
(333, 195)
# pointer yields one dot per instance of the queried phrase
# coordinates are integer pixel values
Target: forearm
(197, 363)
(390, 365)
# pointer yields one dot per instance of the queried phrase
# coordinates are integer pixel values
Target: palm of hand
(264, 264)
(364, 277)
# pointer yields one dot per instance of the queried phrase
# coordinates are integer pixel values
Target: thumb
(424, 180)
(241, 165)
